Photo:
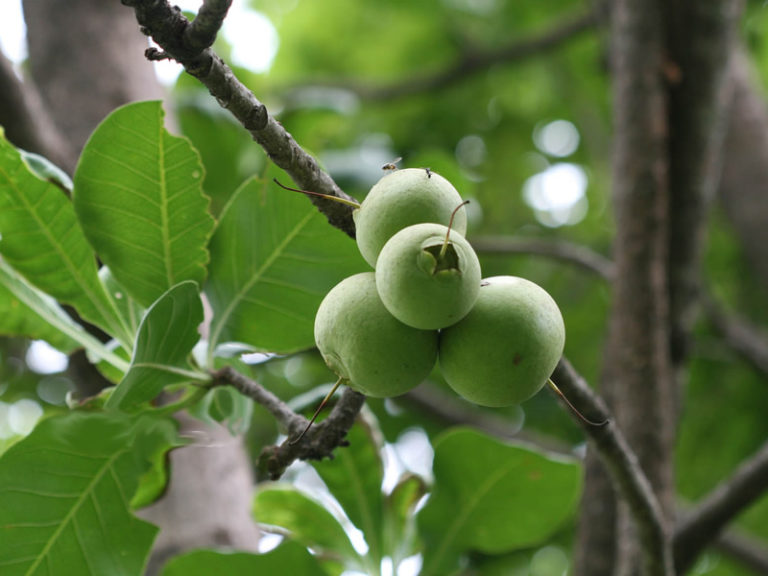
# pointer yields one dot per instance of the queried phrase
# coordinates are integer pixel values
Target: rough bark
(641, 381)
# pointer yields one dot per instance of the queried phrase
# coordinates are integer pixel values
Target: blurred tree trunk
(86, 58)
(743, 191)
(671, 95)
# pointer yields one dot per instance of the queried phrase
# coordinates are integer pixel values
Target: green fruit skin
(400, 199)
(413, 292)
(363, 343)
(506, 348)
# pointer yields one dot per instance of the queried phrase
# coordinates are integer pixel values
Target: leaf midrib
(241, 294)
(75, 508)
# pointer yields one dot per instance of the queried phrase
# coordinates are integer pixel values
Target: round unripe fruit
(423, 287)
(363, 343)
(400, 199)
(506, 348)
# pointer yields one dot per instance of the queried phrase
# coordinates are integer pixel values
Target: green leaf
(306, 521)
(25, 311)
(47, 170)
(41, 239)
(273, 259)
(288, 558)
(354, 477)
(492, 497)
(399, 525)
(130, 311)
(65, 491)
(138, 195)
(161, 355)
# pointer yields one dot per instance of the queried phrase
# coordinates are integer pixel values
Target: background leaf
(492, 497)
(354, 477)
(65, 491)
(41, 238)
(306, 520)
(161, 356)
(273, 259)
(399, 521)
(288, 558)
(138, 195)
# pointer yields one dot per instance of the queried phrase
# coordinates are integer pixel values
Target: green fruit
(505, 349)
(424, 281)
(400, 199)
(363, 343)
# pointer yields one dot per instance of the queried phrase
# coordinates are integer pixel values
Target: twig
(452, 411)
(474, 62)
(201, 34)
(742, 337)
(744, 549)
(319, 441)
(168, 28)
(702, 525)
(622, 466)
(567, 252)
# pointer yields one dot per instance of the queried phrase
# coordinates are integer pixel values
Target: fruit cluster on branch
(497, 339)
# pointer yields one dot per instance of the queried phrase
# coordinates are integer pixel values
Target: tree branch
(622, 465)
(741, 336)
(559, 250)
(319, 441)
(744, 549)
(474, 62)
(168, 28)
(201, 34)
(453, 411)
(702, 525)
(701, 38)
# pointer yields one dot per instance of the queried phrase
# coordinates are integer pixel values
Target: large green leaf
(138, 195)
(305, 520)
(65, 492)
(273, 259)
(166, 337)
(288, 558)
(354, 477)
(41, 238)
(492, 497)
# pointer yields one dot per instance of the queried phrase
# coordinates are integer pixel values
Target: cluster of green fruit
(497, 339)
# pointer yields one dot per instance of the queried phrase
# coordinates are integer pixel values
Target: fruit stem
(326, 196)
(317, 412)
(573, 408)
(450, 225)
